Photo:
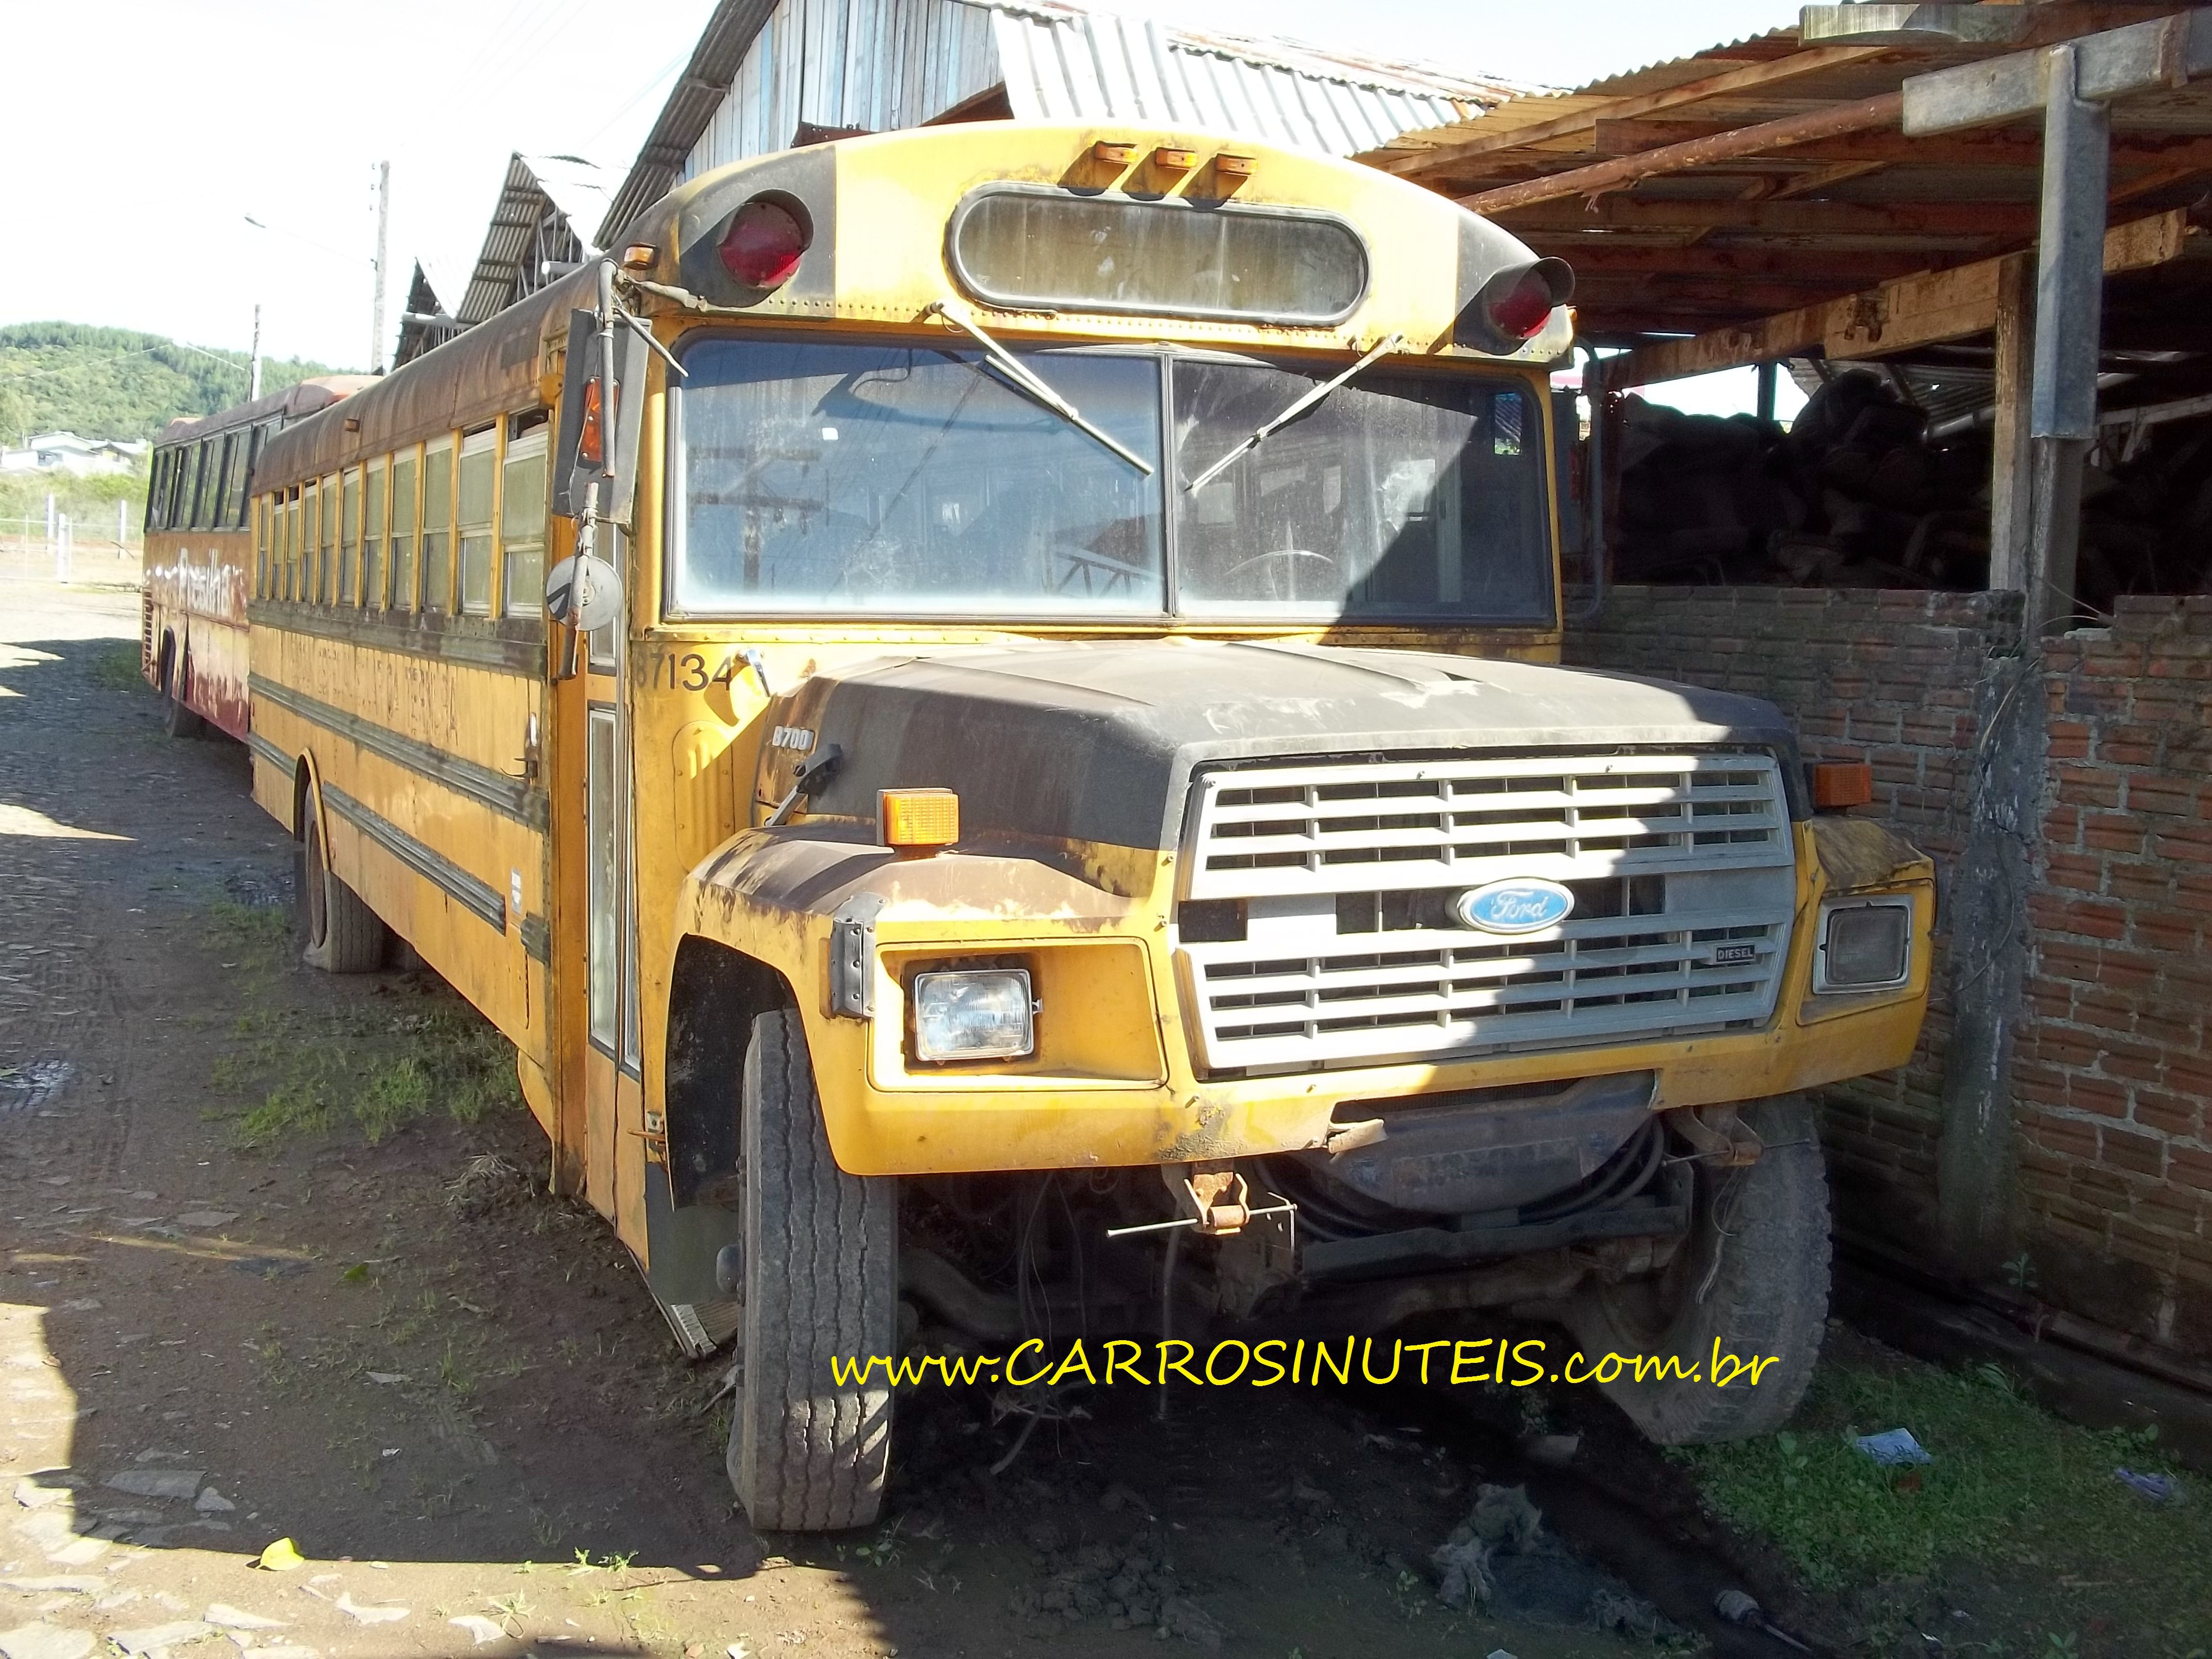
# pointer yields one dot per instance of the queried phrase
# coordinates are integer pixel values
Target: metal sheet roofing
(762, 69)
(550, 207)
(1063, 61)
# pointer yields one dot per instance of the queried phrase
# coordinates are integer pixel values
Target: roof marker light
(762, 246)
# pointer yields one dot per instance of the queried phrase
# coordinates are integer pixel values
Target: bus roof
(303, 397)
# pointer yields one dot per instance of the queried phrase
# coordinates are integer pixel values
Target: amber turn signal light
(918, 820)
(639, 256)
(1175, 160)
(1839, 784)
(1233, 167)
(1114, 152)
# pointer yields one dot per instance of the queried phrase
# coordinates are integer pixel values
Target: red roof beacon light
(762, 246)
(1513, 306)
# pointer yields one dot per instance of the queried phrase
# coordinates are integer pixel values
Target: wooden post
(2009, 475)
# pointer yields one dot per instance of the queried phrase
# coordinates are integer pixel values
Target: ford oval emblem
(1524, 904)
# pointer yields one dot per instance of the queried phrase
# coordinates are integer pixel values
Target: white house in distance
(65, 452)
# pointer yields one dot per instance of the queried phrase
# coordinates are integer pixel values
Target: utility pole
(253, 383)
(383, 223)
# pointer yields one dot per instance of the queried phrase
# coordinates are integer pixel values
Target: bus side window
(233, 480)
(311, 564)
(438, 526)
(251, 444)
(156, 488)
(405, 594)
(522, 519)
(259, 520)
(189, 519)
(292, 543)
(348, 534)
(372, 537)
(478, 462)
(326, 590)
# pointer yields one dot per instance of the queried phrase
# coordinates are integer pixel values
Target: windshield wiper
(1261, 434)
(1025, 380)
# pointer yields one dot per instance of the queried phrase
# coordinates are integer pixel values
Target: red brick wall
(1889, 677)
(2110, 1075)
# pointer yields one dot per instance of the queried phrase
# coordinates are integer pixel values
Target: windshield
(892, 481)
(1393, 496)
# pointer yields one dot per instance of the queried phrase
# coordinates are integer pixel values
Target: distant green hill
(116, 383)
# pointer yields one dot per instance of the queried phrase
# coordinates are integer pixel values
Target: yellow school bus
(983, 706)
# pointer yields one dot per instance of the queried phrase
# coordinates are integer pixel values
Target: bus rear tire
(179, 719)
(1751, 1277)
(821, 1282)
(338, 932)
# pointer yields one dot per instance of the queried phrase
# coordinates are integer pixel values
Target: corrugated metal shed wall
(884, 63)
(872, 63)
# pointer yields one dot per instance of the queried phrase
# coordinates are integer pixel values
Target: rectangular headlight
(980, 1014)
(1865, 944)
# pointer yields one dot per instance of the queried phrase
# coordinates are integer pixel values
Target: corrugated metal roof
(763, 67)
(548, 205)
(1069, 62)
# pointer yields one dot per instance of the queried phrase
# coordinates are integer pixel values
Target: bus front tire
(339, 933)
(1750, 1281)
(808, 1452)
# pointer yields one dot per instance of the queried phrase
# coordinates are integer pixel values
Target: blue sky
(142, 133)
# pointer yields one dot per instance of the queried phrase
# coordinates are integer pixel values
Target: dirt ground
(259, 1281)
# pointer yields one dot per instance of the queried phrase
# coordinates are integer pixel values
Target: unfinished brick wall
(2110, 1075)
(1889, 677)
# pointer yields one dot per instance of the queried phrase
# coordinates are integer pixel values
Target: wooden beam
(1701, 305)
(1822, 266)
(1994, 146)
(1751, 76)
(2009, 476)
(1967, 220)
(1861, 115)
(1912, 311)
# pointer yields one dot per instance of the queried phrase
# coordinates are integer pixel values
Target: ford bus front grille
(1340, 947)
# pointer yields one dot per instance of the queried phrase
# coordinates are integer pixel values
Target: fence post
(62, 550)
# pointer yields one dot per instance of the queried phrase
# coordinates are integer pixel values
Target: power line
(112, 357)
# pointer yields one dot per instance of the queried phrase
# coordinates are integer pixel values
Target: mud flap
(680, 1245)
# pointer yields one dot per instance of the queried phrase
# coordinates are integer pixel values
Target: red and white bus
(199, 553)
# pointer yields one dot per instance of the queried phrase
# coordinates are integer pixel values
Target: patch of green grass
(116, 669)
(2013, 1494)
(319, 1069)
(262, 933)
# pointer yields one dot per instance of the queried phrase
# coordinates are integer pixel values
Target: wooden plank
(1823, 267)
(1861, 115)
(1966, 220)
(1995, 147)
(1912, 311)
(1797, 65)
(2009, 474)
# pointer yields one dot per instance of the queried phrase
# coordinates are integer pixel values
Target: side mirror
(584, 593)
(589, 447)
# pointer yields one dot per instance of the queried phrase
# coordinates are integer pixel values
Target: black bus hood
(1097, 741)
